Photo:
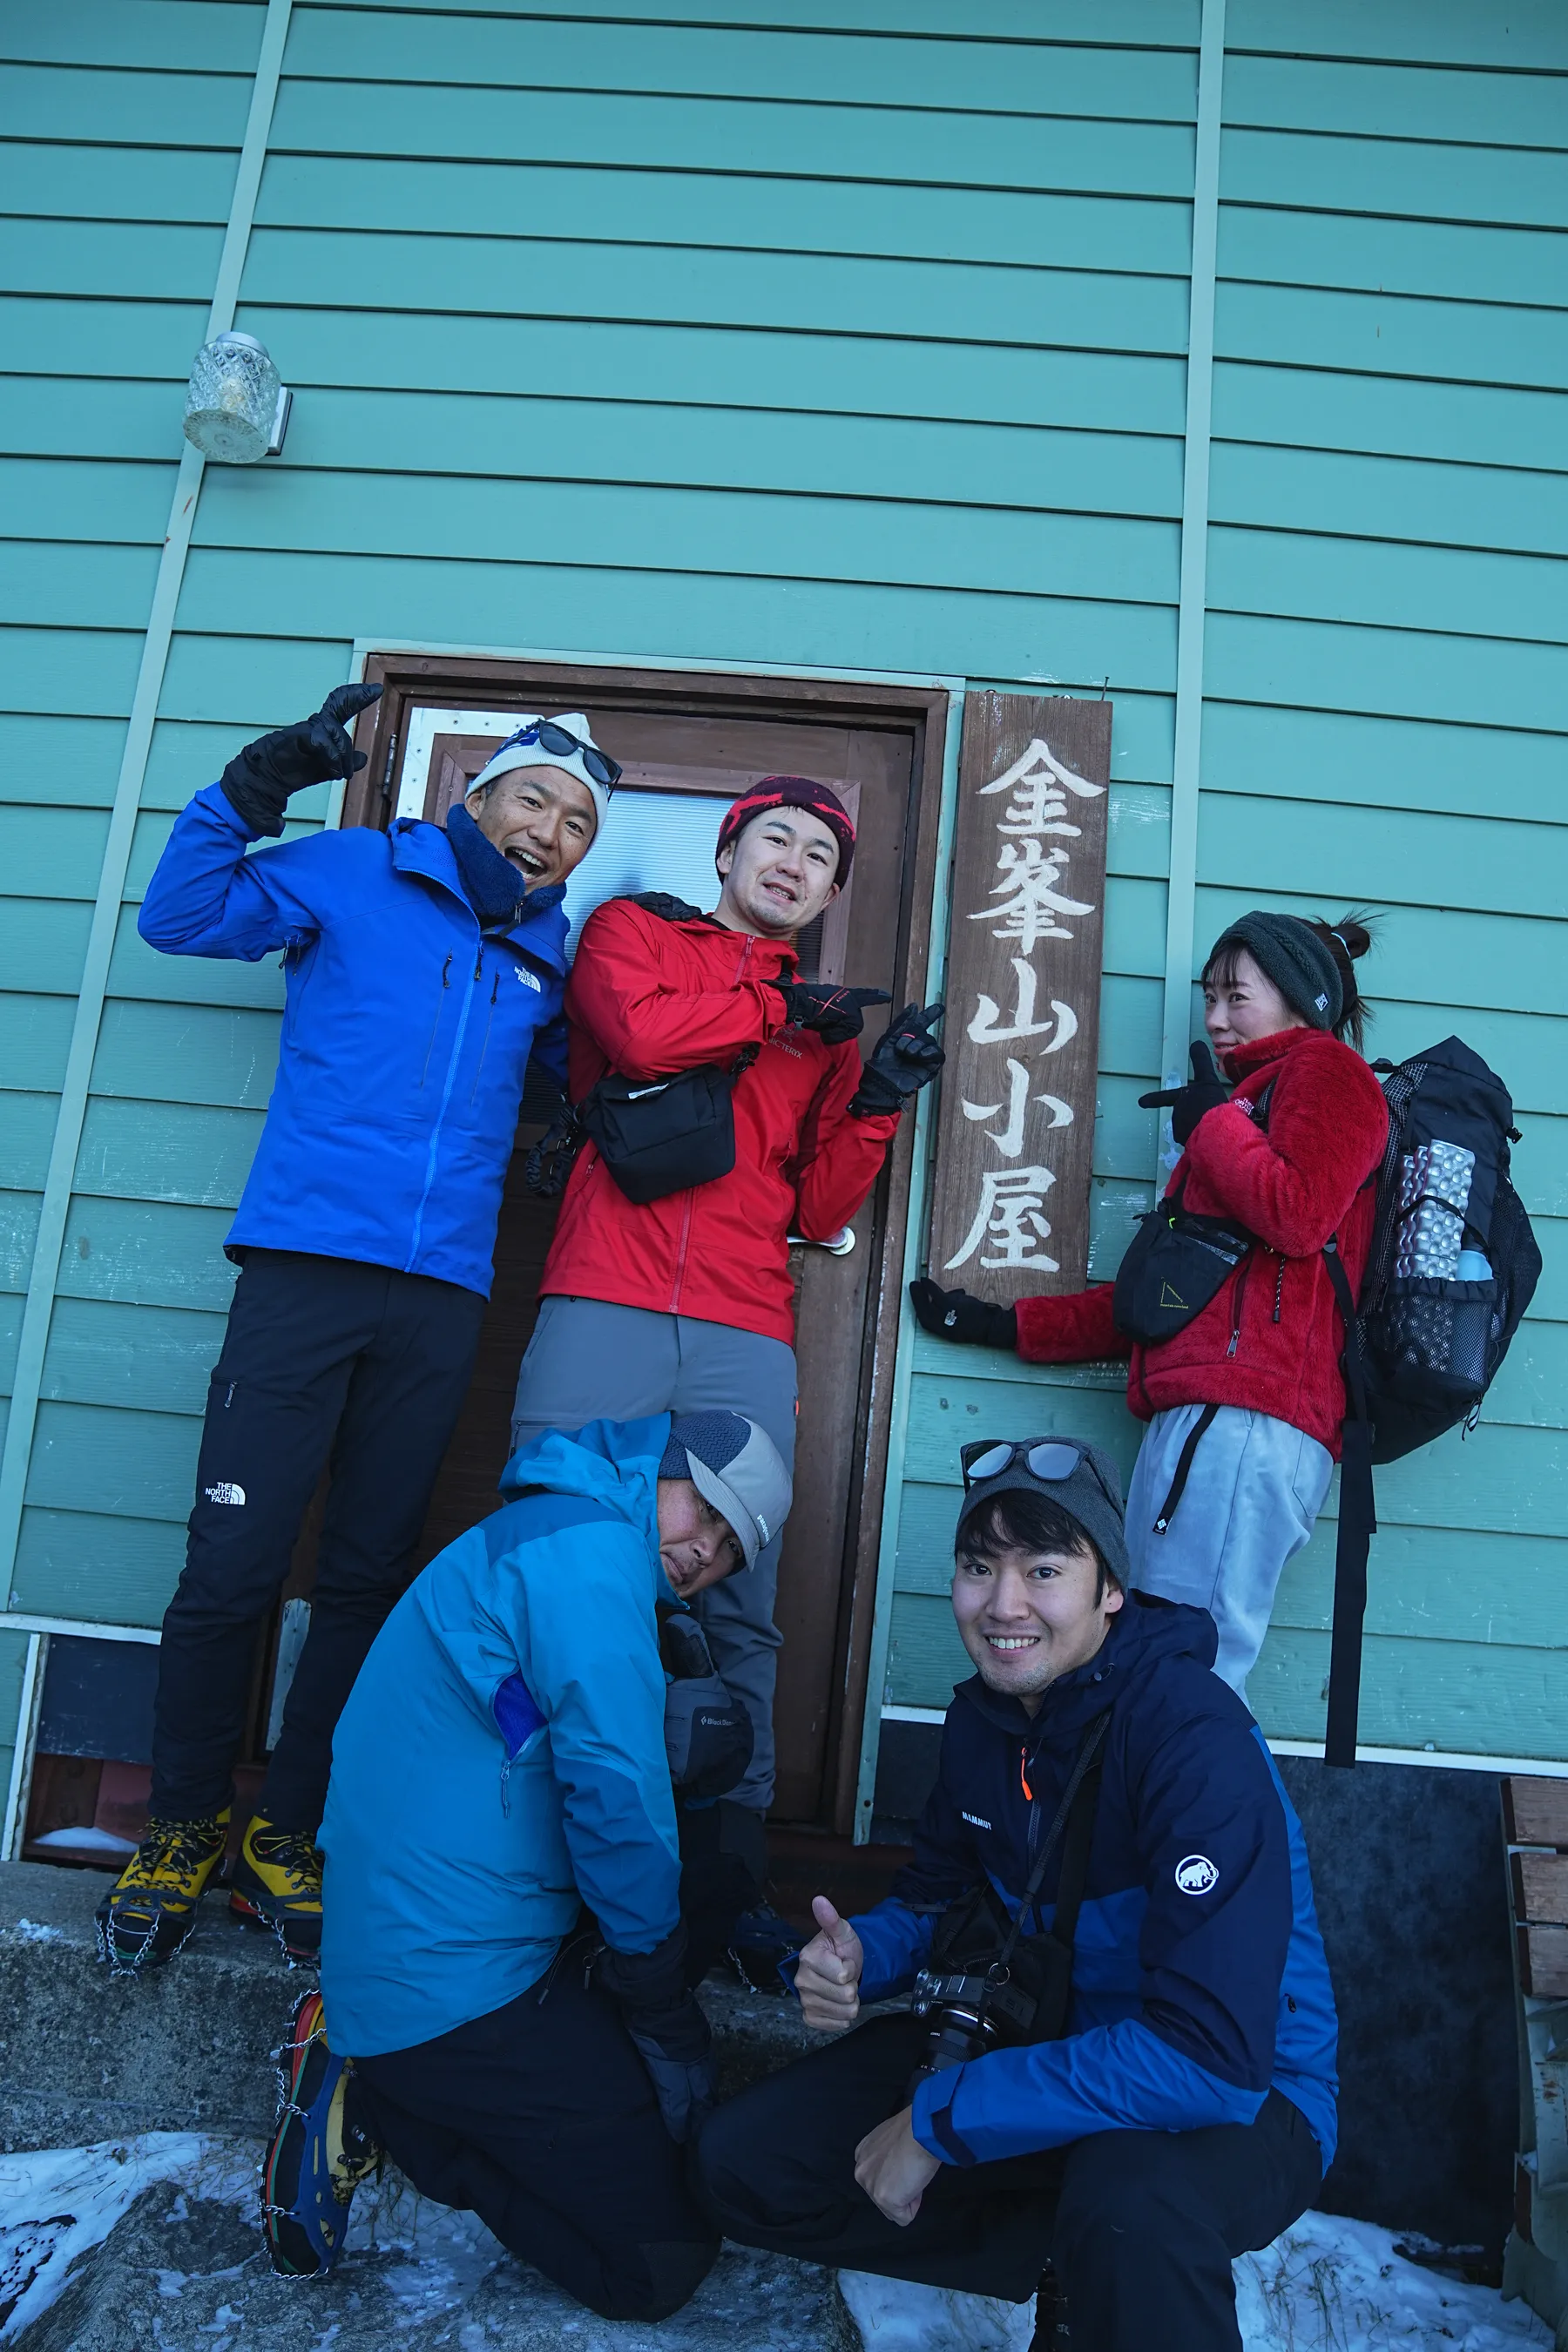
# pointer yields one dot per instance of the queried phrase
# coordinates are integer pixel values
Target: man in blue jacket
(504, 1759)
(1184, 2109)
(422, 968)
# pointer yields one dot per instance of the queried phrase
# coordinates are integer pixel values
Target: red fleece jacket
(1271, 1339)
(648, 997)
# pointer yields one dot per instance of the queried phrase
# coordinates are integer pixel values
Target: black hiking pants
(1140, 2226)
(540, 2119)
(322, 1355)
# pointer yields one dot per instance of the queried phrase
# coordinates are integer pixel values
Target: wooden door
(847, 1305)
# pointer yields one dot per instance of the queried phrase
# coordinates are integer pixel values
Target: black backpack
(1423, 1344)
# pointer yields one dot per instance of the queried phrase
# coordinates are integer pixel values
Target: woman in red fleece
(1245, 1402)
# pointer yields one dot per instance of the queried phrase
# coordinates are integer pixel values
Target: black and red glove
(905, 1058)
(837, 1014)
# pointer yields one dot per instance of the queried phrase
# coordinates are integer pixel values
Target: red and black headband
(794, 791)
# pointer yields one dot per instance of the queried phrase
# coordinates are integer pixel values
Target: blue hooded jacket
(406, 1032)
(1199, 1979)
(500, 1759)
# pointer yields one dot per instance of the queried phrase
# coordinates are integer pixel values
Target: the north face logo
(224, 1493)
(1195, 1874)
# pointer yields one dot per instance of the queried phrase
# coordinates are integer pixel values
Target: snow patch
(57, 2203)
(86, 1840)
(31, 1931)
(1330, 2284)
(1326, 2285)
(894, 2316)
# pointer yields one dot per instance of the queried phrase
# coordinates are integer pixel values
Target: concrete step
(87, 2056)
(90, 2058)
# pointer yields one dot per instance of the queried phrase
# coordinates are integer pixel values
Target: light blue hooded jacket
(500, 1759)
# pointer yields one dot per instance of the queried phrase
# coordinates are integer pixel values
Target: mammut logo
(1169, 1297)
(224, 1493)
(1195, 1874)
(976, 1823)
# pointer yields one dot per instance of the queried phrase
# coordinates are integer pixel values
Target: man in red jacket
(685, 1304)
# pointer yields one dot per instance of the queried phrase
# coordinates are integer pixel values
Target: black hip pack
(1175, 1262)
(663, 1135)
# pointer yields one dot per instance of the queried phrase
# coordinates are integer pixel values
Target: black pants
(320, 1353)
(542, 2120)
(1141, 2227)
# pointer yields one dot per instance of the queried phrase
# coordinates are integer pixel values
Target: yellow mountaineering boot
(151, 1906)
(277, 1883)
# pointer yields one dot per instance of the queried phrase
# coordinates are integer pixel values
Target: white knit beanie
(513, 754)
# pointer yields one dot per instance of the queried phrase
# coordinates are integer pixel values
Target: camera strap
(1078, 1808)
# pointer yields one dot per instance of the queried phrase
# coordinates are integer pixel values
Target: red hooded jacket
(648, 997)
(1271, 1339)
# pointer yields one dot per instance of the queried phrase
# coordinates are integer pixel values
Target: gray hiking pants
(588, 1361)
(1252, 1497)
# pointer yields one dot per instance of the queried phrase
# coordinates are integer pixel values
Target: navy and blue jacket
(1198, 1980)
(406, 1032)
(500, 1758)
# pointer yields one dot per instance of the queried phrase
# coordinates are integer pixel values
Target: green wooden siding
(854, 340)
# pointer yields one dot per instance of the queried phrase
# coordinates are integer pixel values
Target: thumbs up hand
(827, 1974)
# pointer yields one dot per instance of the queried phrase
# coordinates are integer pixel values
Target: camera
(986, 1989)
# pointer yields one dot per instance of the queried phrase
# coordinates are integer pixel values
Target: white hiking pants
(1253, 1493)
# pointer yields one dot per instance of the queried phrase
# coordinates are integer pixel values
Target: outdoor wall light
(237, 410)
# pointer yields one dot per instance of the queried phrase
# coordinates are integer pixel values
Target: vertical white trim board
(72, 1108)
(1194, 590)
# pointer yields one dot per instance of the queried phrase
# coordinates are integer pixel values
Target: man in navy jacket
(1187, 2113)
(423, 966)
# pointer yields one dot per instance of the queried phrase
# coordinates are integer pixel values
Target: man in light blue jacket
(423, 967)
(503, 1761)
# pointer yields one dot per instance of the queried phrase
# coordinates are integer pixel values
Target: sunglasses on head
(562, 742)
(1052, 1460)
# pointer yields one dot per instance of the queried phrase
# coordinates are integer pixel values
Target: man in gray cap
(505, 2006)
(1122, 2012)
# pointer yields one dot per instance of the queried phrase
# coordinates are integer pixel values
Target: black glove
(664, 2021)
(835, 1013)
(1204, 1090)
(550, 1162)
(956, 1315)
(258, 780)
(905, 1058)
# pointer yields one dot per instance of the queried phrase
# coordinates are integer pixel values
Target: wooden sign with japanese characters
(1010, 1215)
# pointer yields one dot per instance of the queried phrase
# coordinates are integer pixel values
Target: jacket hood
(1257, 1052)
(1146, 1632)
(611, 1462)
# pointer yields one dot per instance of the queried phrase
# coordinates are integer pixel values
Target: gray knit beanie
(1294, 958)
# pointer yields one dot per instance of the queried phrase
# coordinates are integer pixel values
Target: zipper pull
(479, 962)
(495, 984)
(447, 973)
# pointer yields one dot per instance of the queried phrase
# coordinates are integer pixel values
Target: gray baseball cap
(734, 1464)
(1079, 1477)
